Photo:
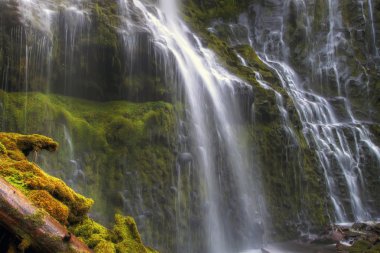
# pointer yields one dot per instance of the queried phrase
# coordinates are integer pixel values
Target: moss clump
(44, 200)
(3, 149)
(56, 199)
(124, 237)
(27, 176)
(19, 146)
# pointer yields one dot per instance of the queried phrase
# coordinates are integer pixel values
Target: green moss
(124, 237)
(360, 246)
(3, 150)
(105, 246)
(26, 176)
(206, 11)
(105, 20)
(37, 218)
(141, 134)
(52, 197)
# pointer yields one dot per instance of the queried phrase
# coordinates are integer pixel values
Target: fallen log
(35, 227)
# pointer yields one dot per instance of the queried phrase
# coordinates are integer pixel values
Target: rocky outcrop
(357, 237)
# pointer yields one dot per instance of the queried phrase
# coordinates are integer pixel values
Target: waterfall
(340, 142)
(373, 30)
(251, 152)
(214, 122)
(44, 23)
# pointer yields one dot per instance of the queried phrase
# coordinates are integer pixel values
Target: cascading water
(212, 140)
(204, 193)
(342, 142)
(373, 30)
(43, 24)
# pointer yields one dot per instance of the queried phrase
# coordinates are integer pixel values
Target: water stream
(341, 142)
(212, 118)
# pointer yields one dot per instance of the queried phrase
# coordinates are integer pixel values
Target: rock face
(37, 208)
(80, 52)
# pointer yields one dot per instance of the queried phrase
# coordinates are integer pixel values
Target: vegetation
(61, 202)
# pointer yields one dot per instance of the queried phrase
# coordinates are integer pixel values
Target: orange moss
(44, 200)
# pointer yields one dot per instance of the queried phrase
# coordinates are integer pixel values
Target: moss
(206, 11)
(105, 246)
(56, 209)
(122, 136)
(105, 20)
(27, 177)
(360, 246)
(25, 244)
(55, 198)
(3, 150)
(124, 237)
(37, 218)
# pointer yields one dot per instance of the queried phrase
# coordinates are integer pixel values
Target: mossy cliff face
(53, 196)
(119, 153)
(80, 52)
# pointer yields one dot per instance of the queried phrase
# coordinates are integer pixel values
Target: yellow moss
(127, 237)
(3, 150)
(43, 199)
(25, 243)
(105, 247)
(124, 237)
(21, 145)
(126, 228)
(52, 196)
(27, 176)
(90, 232)
(35, 142)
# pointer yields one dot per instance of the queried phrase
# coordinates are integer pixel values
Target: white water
(41, 23)
(339, 143)
(373, 30)
(213, 112)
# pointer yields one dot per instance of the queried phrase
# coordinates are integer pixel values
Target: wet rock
(359, 237)
(185, 158)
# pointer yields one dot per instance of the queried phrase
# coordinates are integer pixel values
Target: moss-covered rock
(61, 202)
(35, 183)
(119, 153)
